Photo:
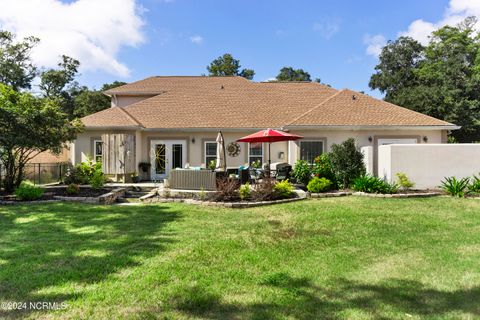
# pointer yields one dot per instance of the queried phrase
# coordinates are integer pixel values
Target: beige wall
(83, 147)
(427, 165)
(361, 136)
(123, 101)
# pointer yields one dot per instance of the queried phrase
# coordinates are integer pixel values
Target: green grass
(350, 258)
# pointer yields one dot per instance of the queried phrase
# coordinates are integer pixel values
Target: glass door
(166, 155)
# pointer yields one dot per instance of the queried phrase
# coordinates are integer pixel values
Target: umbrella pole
(224, 153)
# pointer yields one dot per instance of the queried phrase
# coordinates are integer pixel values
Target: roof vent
(222, 87)
(354, 97)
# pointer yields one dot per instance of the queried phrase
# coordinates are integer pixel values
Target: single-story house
(173, 121)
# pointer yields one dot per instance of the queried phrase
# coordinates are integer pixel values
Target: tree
(441, 79)
(16, 67)
(290, 74)
(58, 84)
(226, 65)
(91, 101)
(347, 162)
(29, 125)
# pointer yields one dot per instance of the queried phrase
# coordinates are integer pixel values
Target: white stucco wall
(83, 147)
(368, 159)
(427, 164)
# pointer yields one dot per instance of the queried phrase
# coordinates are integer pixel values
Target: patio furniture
(241, 173)
(193, 179)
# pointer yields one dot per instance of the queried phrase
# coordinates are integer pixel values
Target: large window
(309, 150)
(97, 150)
(255, 152)
(210, 152)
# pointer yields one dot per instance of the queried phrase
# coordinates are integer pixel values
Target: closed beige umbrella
(221, 163)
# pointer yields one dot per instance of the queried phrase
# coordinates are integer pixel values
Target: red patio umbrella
(269, 135)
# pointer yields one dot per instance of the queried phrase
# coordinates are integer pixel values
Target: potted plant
(144, 166)
(135, 178)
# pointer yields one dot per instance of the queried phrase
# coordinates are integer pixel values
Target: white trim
(309, 140)
(95, 149)
(367, 127)
(205, 151)
(316, 127)
(256, 156)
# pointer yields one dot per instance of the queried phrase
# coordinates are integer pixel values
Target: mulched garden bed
(51, 192)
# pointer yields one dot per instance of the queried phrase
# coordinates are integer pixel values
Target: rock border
(330, 194)
(397, 195)
(105, 199)
(243, 204)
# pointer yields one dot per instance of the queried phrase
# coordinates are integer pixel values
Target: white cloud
(91, 31)
(456, 12)
(196, 39)
(327, 28)
(374, 44)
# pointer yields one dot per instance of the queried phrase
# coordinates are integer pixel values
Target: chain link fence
(41, 173)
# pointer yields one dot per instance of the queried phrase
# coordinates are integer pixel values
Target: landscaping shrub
(474, 187)
(245, 191)
(87, 172)
(455, 187)
(227, 190)
(97, 180)
(73, 189)
(283, 190)
(317, 185)
(371, 184)
(263, 190)
(28, 191)
(347, 162)
(302, 172)
(322, 168)
(404, 182)
(73, 175)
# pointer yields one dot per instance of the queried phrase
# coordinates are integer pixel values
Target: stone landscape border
(398, 195)
(105, 199)
(241, 204)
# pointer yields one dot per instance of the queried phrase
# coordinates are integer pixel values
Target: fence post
(39, 172)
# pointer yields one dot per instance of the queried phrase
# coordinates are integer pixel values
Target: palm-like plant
(455, 187)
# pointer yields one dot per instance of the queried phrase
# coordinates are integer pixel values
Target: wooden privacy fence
(118, 153)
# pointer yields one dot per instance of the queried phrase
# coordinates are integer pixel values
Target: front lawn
(350, 258)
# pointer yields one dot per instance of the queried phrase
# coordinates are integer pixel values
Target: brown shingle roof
(350, 108)
(234, 102)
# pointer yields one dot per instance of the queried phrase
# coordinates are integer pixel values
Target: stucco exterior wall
(427, 165)
(123, 101)
(195, 153)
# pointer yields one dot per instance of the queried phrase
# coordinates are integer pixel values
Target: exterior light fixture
(193, 140)
(425, 139)
(370, 139)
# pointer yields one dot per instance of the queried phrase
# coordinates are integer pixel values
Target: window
(309, 150)
(255, 152)
(97, 150)
(210, 152)
(177, 155)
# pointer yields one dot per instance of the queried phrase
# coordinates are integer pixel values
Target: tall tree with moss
(227, 65)
(441, 79)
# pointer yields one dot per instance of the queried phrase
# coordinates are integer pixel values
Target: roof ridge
(314, 108)
(130, 116)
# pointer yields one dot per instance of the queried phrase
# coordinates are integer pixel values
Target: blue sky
(325, 38)
(337, 41)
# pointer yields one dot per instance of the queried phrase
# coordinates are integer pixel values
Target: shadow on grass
(53, 245)
(298, 298)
